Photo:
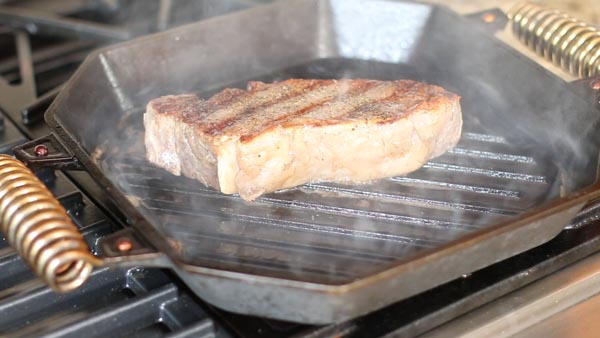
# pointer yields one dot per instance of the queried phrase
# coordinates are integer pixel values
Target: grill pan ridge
(327, 252)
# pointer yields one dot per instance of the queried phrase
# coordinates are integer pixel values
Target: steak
(279, 135)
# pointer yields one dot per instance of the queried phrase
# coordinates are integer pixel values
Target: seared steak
(280, 135)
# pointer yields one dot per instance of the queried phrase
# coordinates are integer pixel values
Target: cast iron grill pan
(336, 233)
(324, 252)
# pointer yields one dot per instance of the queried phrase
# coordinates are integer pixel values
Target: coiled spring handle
(567, 42)
(38, 227)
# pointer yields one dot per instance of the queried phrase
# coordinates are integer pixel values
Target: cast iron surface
(336, 233)
(325, 252)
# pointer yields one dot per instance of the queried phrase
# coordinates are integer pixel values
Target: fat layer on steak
(279, 135)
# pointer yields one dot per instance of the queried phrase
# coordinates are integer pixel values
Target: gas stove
(41, 44)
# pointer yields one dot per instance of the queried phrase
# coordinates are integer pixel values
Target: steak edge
(280, 135)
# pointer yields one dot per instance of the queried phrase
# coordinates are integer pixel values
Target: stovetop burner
(152, 302)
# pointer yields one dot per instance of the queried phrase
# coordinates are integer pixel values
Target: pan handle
(38, 227)
(567, 42)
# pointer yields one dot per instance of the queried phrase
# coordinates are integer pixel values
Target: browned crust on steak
(242, 112)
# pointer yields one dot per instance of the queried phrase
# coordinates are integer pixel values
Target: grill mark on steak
(255, 107)
(390, 107)
(224, 110)
(320, 93)
(355, 106)
(225, 97)
(360, 93)
(355, 89)
(399, 104)
(219, 100)
(261, 97)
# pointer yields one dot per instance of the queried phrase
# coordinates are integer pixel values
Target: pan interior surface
(527, 138)
(336, 233)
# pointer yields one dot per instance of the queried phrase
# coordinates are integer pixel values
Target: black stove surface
(41, 44)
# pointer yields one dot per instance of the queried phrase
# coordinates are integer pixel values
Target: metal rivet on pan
(40, 150)
(124, 244)
(488, 17)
